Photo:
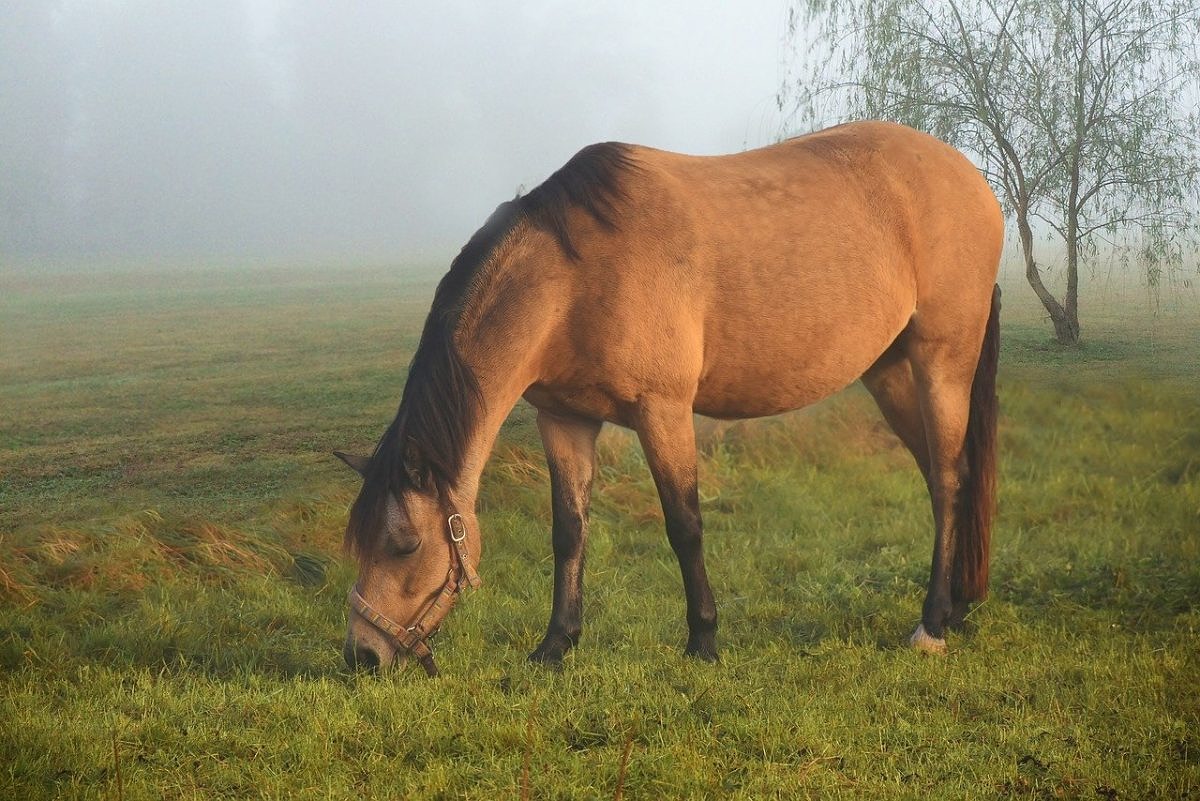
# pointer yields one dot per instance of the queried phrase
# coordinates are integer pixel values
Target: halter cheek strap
(414, 638)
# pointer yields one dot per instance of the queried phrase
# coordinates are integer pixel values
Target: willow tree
(1082, 113)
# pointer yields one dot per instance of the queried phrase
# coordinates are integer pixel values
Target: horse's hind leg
(943, 369)
(570, 445)
(893, 385)
(668, 437)
(890, 381)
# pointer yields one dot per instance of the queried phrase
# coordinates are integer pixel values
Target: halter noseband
(413, 638)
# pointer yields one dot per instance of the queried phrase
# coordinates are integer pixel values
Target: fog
(360, 131)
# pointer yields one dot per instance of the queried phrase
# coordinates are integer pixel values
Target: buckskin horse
(639, 287)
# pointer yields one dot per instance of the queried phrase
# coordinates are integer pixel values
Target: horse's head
(415, 555)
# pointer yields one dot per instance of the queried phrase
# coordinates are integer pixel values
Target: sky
(355, 131)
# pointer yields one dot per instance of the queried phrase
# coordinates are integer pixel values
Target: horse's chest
(581, 400)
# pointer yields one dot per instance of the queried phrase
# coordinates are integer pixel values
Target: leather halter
(413, 639)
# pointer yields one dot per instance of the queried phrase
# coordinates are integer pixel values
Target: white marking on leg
(922, 641)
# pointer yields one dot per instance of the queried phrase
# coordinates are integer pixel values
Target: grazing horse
(641, 287)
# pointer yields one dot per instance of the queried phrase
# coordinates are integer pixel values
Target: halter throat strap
(414, 638)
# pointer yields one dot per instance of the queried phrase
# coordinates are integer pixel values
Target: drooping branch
(1081, 112)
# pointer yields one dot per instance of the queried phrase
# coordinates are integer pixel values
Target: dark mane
(441, 402)
(591, 181)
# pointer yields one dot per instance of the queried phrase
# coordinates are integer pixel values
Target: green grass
(172, 590)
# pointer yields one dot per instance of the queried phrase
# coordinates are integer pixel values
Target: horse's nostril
(359, 657)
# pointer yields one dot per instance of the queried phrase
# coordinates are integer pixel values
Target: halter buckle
(456, 534)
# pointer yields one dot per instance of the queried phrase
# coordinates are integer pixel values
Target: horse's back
(837, 203)
(765, 280)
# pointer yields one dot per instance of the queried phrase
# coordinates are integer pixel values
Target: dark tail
(977, 497)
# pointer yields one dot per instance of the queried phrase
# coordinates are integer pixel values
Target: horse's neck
(497, 405)
(500, 340)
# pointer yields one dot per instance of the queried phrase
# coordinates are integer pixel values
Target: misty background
(299, 130)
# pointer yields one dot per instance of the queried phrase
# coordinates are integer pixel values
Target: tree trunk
(1065, 330)
(1068, 334)
(1071, 308)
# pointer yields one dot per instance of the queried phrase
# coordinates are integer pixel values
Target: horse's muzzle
(360, 657)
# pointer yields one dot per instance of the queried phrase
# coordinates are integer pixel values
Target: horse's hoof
(550, 653)
(923, 641)
(704, 656)
(704, 651)
(548, 657)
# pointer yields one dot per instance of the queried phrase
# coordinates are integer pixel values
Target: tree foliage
(1082, 113)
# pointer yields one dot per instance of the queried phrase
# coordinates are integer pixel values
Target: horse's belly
(758, 373)
(764, 394)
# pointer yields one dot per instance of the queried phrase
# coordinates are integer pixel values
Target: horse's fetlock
(703, 621)
(937, 615)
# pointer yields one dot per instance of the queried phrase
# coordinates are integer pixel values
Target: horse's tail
(977, 496)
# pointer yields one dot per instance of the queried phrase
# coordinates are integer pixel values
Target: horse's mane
(426, 443)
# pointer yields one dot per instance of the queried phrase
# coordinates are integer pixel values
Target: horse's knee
(685, 531)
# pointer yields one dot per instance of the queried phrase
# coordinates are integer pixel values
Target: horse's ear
(414, 465)
(357, 463)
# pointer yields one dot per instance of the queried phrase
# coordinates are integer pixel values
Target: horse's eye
(402, 545)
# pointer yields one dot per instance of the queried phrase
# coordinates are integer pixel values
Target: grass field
(172, 591)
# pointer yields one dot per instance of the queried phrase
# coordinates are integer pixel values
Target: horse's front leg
(668, 437)
(570, 445)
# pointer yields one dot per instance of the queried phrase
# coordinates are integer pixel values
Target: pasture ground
(172, 589)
